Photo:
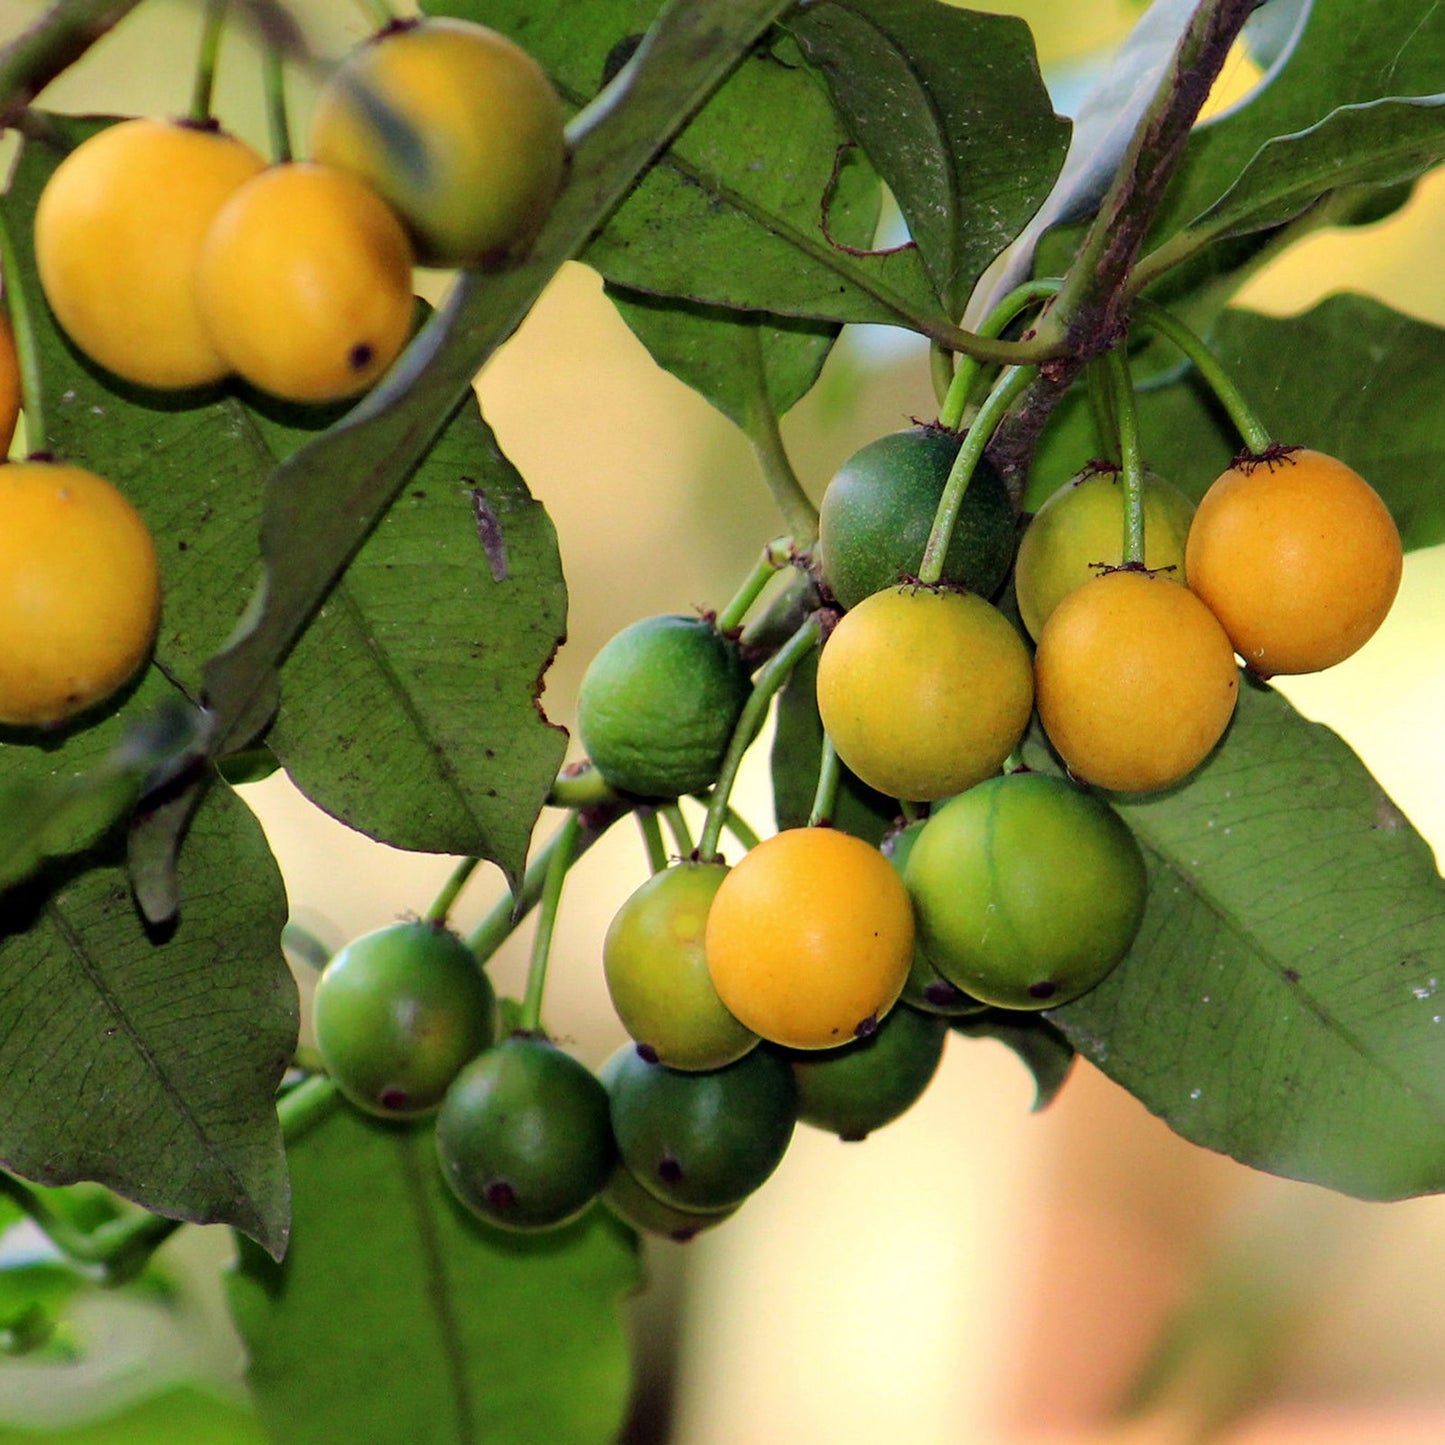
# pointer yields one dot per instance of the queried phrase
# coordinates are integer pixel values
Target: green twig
(775, 556)
(1019, 300)
(652, 839)
(677, 826)
(1122, 388)
(30, 61)
(771, 676)
(27, 352)
(307, 1104)
(825, 799)
(1166, 324)
(799, 514)
(1009, 385)
(441, 908)
(556, 875)
(205, 82)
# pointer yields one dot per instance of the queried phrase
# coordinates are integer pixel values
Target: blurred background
(974, 1273)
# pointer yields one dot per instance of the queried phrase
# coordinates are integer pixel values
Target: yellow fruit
(1135, 681)
(457, 127)
(1079, 531)
(924, 693)
(1298, 558)
(809, 938)
(79, 592)
(305, 283)
(118, 231)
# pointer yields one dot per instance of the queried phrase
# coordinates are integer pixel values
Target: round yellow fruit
(118, 232)
(80, 592)
(305, 283)
(456, 126)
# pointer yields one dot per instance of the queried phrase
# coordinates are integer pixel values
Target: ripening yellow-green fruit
(80, 592)
(118, 230)
(305, 283)
(456, 126)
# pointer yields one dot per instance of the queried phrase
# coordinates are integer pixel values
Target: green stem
(1019, 300)
(118, 1249)
(205, 82)
(825, 799)
(800, 516)
(556, 875)
(378, 12)
(1009, 385)
(775, 556)
(441, 907)
(305, 945)
(585, 788)
(652, 839)
(1166, 324)
(940, 369)
(307, 1104)
(1133, 463)
(677, 826)
(277, 122)
(912, 812)
(738, 826)
(27, 352)
(771, 676)
(1101, 404)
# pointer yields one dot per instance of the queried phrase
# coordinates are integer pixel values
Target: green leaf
(59, 800)
(797, 754)
(1103, 131)
(1041, 1047)
(951, 109)
(1347, 54)
(183, 1415)
(1379, 143)
(444, 1329)
(1283, 1001)
(744, 362)
(148, 1061)
(1351, 377)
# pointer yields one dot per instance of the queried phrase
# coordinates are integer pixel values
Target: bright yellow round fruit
(79, 592)
(305, 283)
(1298, 558)
(456, 126)
(1079, 532)
(1135, 681)
(9, 385)
(924, 692)
(118, 231)
(809, 938)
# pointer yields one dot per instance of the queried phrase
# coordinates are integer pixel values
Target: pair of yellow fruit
(173, 255)
(1292, 561)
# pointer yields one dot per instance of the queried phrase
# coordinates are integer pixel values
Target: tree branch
(1090, 311)
(56, 41)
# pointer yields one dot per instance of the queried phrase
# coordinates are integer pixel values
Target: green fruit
(701, 1141)
(397, 1013)
(657, 972)
(878, 510)
(853, 1090)
(1027, 890)
(647, 1214)
(523, 1135)
(925, 988)
(1079, 532)
(456, 127)
(658, 704)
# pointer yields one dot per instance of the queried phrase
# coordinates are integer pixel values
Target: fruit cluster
(173, 256)
(816, 979)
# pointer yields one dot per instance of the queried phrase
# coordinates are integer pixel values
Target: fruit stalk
(1127, 416)
(22, 325)
(955, 402)
(1157, 318)
(210, 49)
(562, 851)
(441, 907)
